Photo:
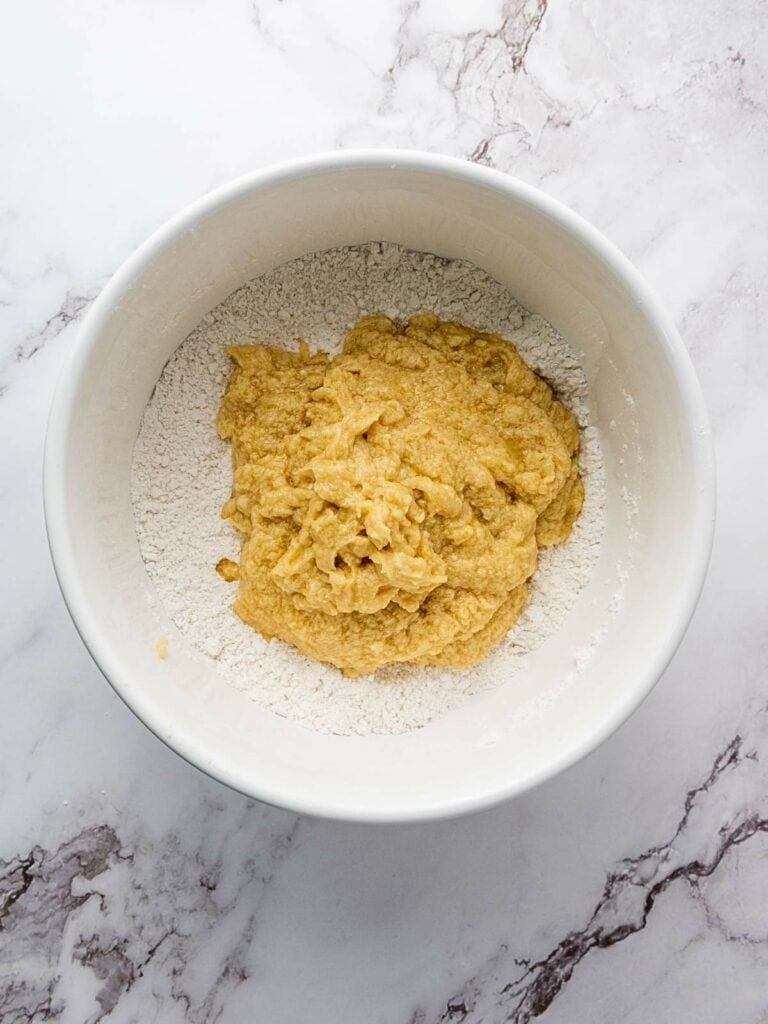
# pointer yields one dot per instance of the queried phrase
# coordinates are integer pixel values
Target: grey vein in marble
(630, 892)
(41, 893)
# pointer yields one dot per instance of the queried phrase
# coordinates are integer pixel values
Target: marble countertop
(632, 888)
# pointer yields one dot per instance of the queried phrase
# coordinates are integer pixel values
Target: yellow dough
(392, 499)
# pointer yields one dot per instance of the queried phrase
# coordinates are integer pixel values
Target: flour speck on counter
(182, 477)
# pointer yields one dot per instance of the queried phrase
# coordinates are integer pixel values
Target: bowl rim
(701, 528)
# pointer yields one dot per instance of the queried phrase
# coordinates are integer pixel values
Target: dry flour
(182, 476)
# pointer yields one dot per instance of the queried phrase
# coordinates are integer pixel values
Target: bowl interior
(644, 399)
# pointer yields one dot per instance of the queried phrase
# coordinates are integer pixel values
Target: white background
(635, 887)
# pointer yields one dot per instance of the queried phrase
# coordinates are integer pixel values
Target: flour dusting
(182, 476)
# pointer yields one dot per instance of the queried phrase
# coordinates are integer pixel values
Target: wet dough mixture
(392, 499)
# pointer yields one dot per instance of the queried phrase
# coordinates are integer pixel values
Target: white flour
(182, 476)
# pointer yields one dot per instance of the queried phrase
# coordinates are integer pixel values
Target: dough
(392, 499)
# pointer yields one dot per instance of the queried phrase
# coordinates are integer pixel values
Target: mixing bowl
(645, 399)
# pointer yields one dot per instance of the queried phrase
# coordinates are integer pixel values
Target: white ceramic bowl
(645, 397)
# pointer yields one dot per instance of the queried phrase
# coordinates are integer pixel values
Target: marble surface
(633, 888)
